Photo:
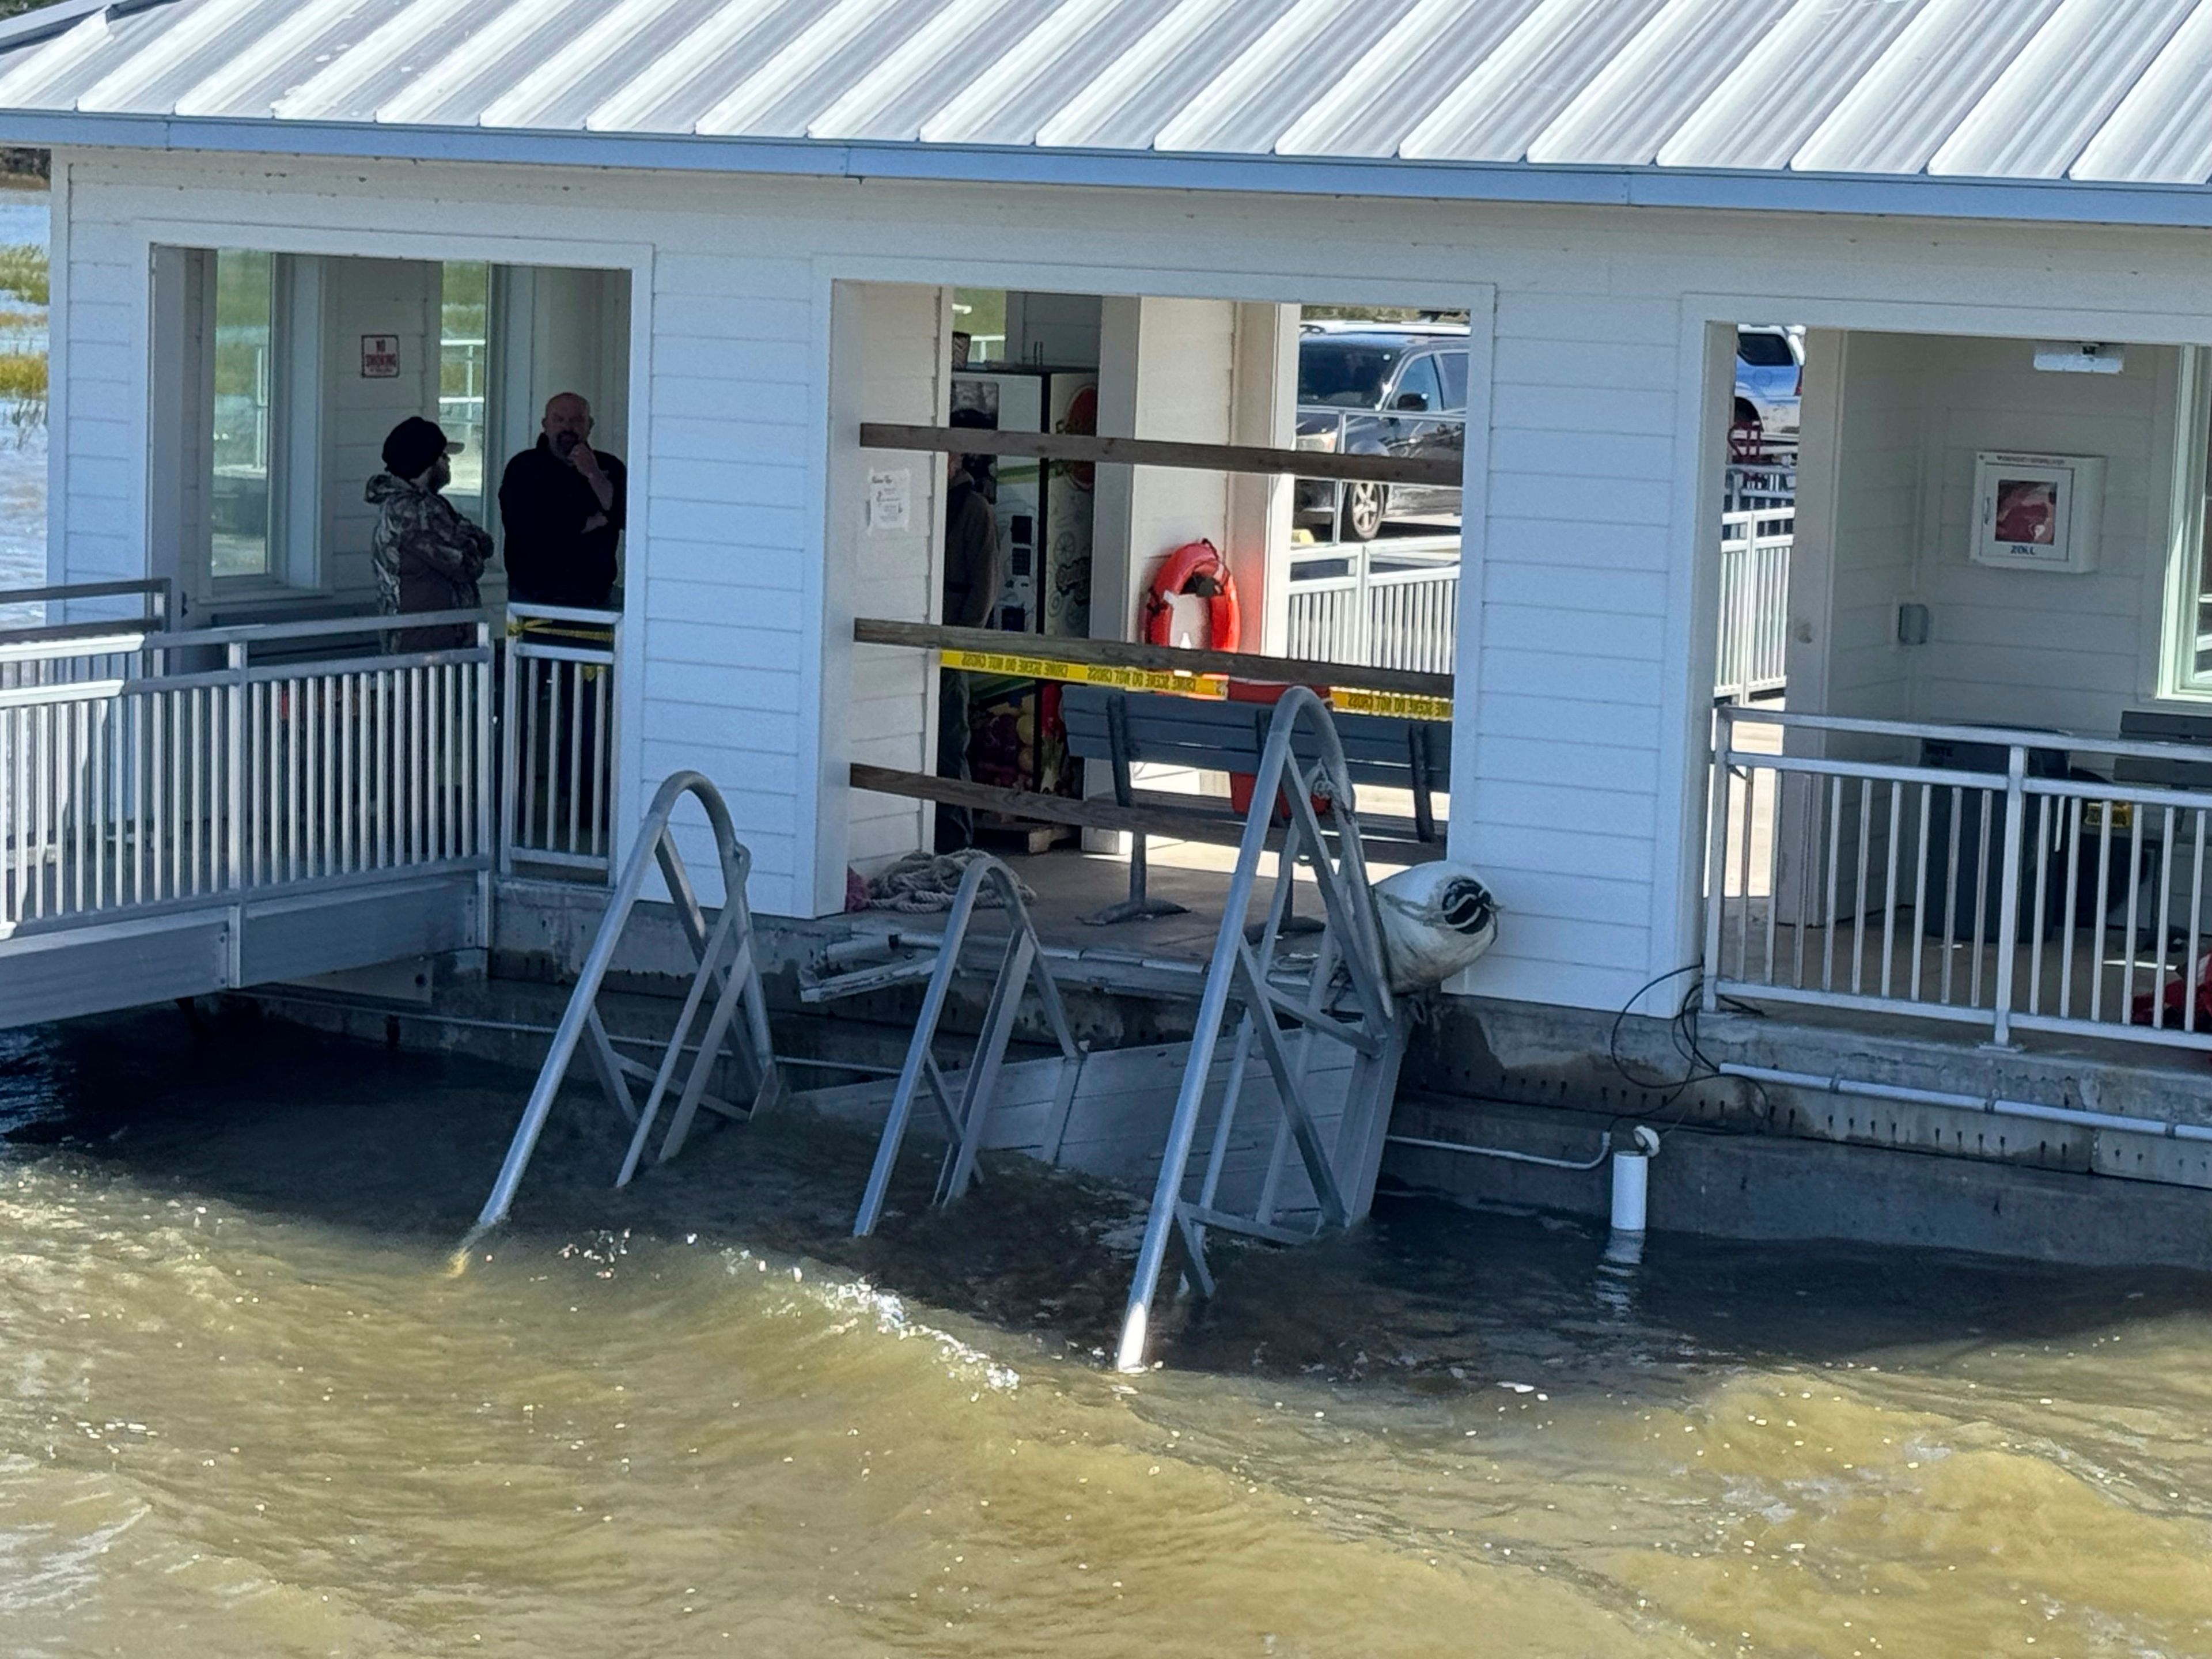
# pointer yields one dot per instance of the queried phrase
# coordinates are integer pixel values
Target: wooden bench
(1127, 729)
(1391, 752)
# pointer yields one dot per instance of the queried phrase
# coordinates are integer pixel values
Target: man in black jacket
(564, 505)
(975, 571)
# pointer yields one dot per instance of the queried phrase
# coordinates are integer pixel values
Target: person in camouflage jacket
(428, 555)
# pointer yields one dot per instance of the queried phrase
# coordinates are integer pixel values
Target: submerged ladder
(1324, 1024)
(727, 973)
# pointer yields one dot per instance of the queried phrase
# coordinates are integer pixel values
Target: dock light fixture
(2080, 357)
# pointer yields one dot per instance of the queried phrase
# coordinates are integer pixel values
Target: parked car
(1378, 389)
(1769, 378)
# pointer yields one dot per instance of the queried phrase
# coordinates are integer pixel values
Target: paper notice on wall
(890, 503)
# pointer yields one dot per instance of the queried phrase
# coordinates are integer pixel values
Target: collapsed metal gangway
(1286, 1083)
(1292, 1145)
(726, 975)
(1319, 1013)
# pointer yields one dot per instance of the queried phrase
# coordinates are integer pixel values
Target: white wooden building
(737, 225)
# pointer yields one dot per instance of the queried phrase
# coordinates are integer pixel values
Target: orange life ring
(1195, 568)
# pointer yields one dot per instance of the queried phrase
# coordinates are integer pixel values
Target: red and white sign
(380, 356)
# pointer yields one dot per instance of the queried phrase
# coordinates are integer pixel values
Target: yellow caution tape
(1085, 673)
(1344, 699)
(1406, 704)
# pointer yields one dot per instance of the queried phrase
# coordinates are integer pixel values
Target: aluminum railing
(2014, 881)
(1754, 631)
(1376, 606)
(558, 712)
(1753, 486)
(59, 652)
(171, 788)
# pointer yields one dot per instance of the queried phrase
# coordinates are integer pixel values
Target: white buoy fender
(1435, 919)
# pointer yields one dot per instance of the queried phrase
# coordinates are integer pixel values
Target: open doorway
(1136, 466)
(277, 376)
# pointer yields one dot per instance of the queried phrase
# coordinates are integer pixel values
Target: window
(1418, 390)
(1340, 374)
(464, 379)
(1453, 365)
(1763, 350)
(239, 514)
(2186, 668)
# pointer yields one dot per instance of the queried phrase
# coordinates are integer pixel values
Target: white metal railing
(185, 783)
(558, 712)
(51, 652)
(1376, 606)
(2015, 881)
(1750, 485)
(1754, 632)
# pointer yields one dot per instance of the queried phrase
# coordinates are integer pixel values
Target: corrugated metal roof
(2091, 91)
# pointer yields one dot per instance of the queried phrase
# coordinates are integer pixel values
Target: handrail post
(235, 656)
(509, 768)
(483, 779)
(1716, 852)
(2008, 900)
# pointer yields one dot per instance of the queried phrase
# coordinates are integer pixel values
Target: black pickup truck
(1377, 389)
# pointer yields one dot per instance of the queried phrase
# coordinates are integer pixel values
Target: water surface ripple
(244, 1411)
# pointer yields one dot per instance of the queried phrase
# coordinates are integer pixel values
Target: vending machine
(1044, 515)
(1043, 507)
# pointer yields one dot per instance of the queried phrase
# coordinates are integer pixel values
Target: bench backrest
(2162, 725)
(1228, 737)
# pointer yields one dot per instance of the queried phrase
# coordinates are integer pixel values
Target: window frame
(2189, 571)
(296, 563)
(1465, 361)
(1415, 361)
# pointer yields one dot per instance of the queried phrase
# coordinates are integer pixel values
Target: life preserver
(1196, 569)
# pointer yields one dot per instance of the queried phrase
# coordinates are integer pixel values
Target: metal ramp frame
(1021, 966)
(1258, 980)
(728, 972)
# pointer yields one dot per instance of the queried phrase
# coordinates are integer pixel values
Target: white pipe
(1605, 1143)
(1632, 1185)
(1631, 1173)
(1990, 1103)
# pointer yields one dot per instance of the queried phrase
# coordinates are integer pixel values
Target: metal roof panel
(1637, 102)
(1157, 76)
(1788, 84)
(1917, 91)
(1521, 88)
(1039, 75)
(2051, 100)
(927, 70)
(697, 72)
(1279, 77)
(565, 89)
(2088, 93)
(2162, 133)
(1401, 79)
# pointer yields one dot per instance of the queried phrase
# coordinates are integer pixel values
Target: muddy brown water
(245, 1411)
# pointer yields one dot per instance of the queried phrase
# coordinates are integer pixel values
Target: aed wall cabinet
(2037, 511)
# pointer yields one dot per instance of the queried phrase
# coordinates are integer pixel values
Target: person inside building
(974, 573)
(564, 505)
(426, 554)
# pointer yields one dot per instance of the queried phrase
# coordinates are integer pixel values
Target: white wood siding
(1576, 767)
(890, 361)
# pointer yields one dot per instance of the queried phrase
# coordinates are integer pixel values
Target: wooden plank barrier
(1446, 473)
